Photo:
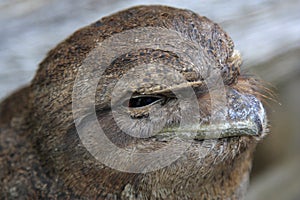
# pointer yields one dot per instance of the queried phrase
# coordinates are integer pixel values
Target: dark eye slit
(143, 100)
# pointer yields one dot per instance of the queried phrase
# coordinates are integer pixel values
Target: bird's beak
(246, 116)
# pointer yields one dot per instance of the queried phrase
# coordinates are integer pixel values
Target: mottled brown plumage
(42, 156)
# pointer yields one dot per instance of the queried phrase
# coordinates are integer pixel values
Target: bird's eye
(140, 101)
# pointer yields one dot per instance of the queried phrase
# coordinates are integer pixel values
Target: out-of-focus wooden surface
(267, 33)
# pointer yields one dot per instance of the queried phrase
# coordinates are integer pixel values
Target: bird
(147, 103)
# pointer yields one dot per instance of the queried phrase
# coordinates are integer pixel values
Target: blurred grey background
(267, 33)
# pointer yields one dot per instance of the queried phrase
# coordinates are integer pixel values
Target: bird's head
(151, 96)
